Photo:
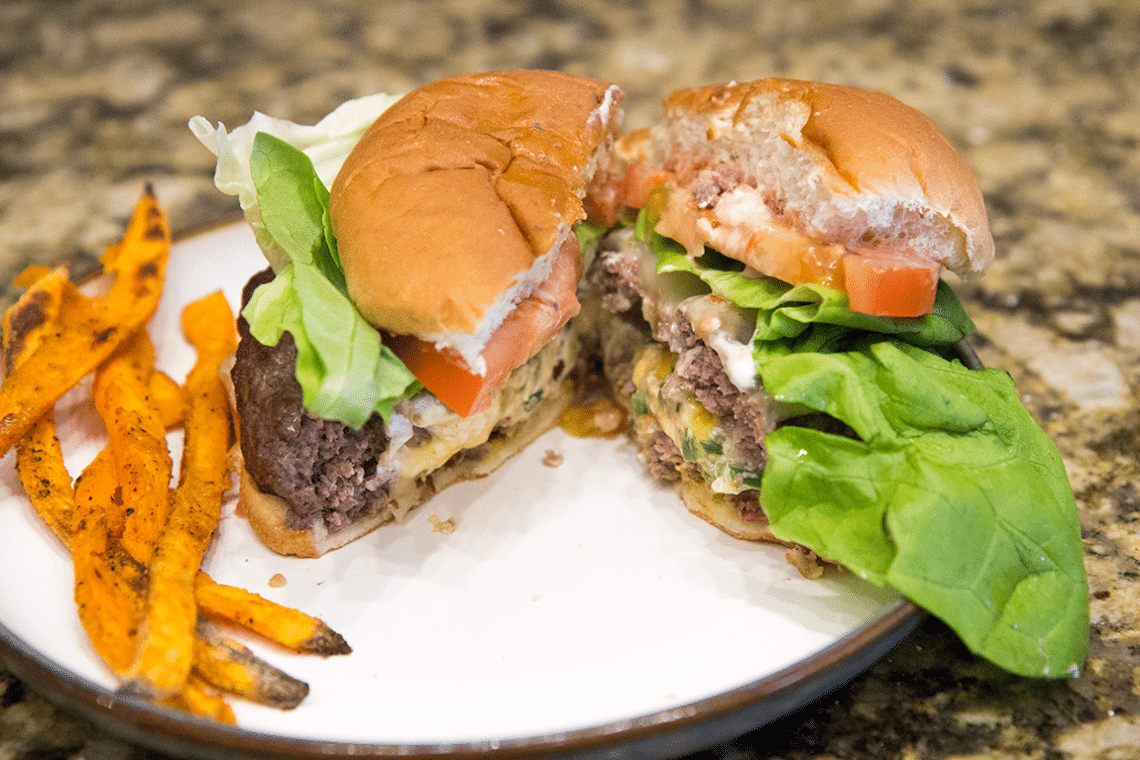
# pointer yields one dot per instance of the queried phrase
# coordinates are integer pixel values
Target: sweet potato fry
(39, 463)
(28, 321)
(284, 625)
(39, 460)
(109, 583)
(120, 514)
(165, 652)
(228, 665)
(137, 439)
(94, 328)
(198, 698)
(166, 395)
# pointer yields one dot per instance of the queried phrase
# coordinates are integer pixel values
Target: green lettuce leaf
(588, 235)
(345, 371)
(950, 493)
(788, 311)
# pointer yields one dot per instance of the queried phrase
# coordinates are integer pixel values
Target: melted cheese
(413, 461)
(724, 328)
(660, 406)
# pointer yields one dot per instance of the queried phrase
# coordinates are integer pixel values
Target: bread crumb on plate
(442, 526)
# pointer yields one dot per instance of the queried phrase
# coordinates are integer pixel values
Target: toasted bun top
(458, 187)
(846, 165)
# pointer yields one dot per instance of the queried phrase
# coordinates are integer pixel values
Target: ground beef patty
(323, 469)
(615, 276)
(700, 369)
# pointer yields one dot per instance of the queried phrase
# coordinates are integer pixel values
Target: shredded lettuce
(345, 371)
(950, 493)
(327, 143)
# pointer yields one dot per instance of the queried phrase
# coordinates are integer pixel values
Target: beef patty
(322, 468)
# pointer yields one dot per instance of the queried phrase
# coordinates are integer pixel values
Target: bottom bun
(716, 509)
(267, 513)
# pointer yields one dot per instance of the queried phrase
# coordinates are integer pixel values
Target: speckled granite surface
(1041, 97)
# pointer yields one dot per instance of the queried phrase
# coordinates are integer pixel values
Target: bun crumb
(442, 526)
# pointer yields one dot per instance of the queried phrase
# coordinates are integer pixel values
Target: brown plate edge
(667, 733)
(679, 730)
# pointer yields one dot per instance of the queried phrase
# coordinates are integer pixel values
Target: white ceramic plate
(578, 609)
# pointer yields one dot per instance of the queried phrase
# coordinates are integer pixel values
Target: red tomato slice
(444, 373)
(640, 181)
(887, 284)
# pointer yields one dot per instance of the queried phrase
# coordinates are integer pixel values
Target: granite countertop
(1040, 97)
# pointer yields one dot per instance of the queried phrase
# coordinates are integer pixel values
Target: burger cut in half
(414, 328)
(758, 199)
(776, 322)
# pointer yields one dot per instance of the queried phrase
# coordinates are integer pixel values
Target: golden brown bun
(458, 187)
(847, 165)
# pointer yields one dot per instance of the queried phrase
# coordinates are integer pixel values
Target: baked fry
(91, 328)
(284, 625)
(198, 698)
(39, 460)
(166, 644)
(109, 583)
(39, 463)
(166, 394)
(232, 667)
(120, 515)
(137, 439)
(28, 320)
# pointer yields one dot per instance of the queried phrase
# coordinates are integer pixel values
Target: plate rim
(182, 734)
(722, 715)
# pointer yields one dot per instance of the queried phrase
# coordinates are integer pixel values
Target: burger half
(414, 328)
(804, 192)
(776, 321)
